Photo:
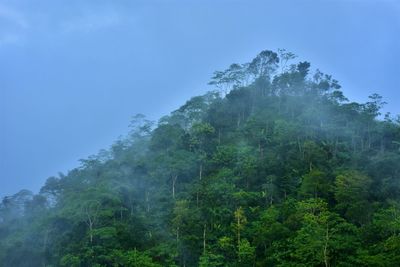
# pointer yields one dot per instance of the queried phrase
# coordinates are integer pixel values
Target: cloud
(13, 16)
(90, 22)
(13, 26)
(10, 38)
(17, 27)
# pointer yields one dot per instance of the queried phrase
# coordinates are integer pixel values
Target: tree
(324, 238)
(315, 184)
(277, 170)
(352, 193)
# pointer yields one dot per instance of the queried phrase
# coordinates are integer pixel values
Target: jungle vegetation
(274, 167)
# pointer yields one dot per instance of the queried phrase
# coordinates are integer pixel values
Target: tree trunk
(238, 231)
(174, 178)
(204, 239)
(147, 201)
(131, 207)
(238, 236)
(91, 231)
(46, 235)
(326, 260)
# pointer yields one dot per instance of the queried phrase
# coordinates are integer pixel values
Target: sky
(73, 73)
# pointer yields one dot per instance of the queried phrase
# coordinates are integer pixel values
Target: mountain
(276, 167)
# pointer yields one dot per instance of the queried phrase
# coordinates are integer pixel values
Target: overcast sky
(73, 72)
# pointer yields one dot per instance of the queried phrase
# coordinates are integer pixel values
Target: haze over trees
(276, 167)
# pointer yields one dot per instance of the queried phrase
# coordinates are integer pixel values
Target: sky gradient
(72, 73)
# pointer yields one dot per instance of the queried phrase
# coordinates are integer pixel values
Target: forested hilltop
(276, 167)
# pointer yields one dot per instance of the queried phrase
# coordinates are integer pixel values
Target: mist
(75, 73)
(265, 124)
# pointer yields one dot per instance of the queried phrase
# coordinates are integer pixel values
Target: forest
(273, 167)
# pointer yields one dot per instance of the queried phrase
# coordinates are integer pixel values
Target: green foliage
(132, 258)
(211, 260)
(315, 184)
(275, 168)
(70, 261)
(352, 194)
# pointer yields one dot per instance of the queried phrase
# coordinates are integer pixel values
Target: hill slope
(274, 168)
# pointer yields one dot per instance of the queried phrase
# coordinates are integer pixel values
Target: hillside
(276, 167)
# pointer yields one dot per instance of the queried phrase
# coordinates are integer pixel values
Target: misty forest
(273, 167)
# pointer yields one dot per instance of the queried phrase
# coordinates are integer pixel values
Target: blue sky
(72, 73)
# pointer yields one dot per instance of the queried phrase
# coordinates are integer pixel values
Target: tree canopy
(276, 167)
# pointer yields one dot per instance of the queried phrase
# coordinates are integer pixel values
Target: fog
(199, 133)
(72, 74)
